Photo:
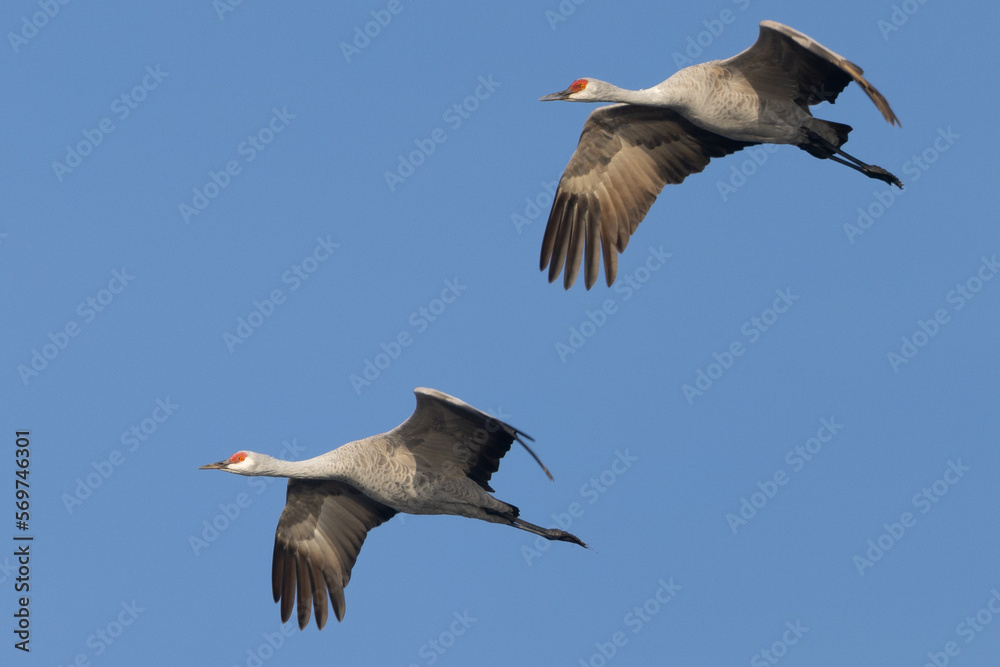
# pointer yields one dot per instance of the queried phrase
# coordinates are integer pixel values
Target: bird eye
(237, 457)
(578, 85)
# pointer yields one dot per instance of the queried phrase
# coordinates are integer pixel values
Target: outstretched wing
(626, 155)
(448, 436)
(787, 64)
(319, 535)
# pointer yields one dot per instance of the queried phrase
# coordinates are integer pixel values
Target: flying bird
(439, 461)
(629, 151)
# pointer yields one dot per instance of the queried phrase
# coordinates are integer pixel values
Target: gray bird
(439, 461)
(629, 151)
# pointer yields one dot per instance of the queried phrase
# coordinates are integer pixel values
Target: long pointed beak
(221, 465)
(561, 95)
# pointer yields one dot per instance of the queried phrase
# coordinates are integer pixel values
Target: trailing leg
(822, 148)
(548, 533)
(869, 170)
(513, 519)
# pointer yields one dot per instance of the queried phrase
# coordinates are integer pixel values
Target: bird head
(581, 90)
(241, 463)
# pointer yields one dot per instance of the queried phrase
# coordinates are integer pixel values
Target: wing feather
(625, 156)
(319, 536)
(788, 64)
(449, 436)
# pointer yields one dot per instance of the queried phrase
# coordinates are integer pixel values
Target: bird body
(712, 97)
(628, 151)
(439, 461)
(718, 97)
(384, 469)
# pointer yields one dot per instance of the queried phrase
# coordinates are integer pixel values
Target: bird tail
(822, 134)
(840, 130)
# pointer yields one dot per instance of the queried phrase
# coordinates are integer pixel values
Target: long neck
(663, 95)
(643, 97)
(325, 466)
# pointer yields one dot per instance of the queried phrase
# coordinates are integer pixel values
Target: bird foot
(562, 535)
(875, 171)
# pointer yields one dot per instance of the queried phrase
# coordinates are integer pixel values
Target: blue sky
(777, 431)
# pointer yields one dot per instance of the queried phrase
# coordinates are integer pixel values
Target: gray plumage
(439, 461)
(629, 151)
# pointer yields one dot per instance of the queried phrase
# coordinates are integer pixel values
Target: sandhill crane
(439, 461)
(629, 151)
